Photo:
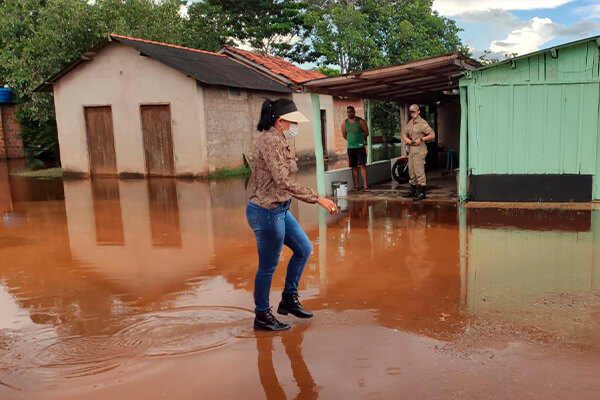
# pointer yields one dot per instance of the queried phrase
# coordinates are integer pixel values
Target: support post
(463, 156)
(369, 113)
(316, 106)
(403, 124)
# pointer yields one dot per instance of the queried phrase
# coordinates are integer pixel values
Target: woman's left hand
(327, 204)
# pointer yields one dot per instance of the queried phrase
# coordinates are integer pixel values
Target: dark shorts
(357, 157)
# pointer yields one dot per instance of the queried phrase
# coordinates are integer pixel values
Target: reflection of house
(131, 106)
(333, 108)
(15, 189)
(536, 270)
(514, 259)
(532, 126)
(132, 231)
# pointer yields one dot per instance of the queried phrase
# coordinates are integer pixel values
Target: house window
(236, 93)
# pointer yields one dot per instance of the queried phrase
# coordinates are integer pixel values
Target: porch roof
(420, 81)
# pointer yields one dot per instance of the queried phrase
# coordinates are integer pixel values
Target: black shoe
(290, 304)
(420, 195)
(266, 321)
(411, 193)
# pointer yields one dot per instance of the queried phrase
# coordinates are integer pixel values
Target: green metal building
(530, 127)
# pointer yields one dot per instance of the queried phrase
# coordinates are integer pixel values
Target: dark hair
(272, 110)
(266, 120)
(350, 108)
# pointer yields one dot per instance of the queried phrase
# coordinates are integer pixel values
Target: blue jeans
(273, 228)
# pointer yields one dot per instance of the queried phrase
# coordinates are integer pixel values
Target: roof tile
(278, 66)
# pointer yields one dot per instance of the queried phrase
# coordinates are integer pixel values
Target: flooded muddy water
(127, 289)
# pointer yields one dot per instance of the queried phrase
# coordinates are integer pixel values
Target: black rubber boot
(291, 305)
(411, 193)
(420, 195)
(266, 321)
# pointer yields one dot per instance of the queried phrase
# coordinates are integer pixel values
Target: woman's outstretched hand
(329, 205)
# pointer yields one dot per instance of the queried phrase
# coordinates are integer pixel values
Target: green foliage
(341, 36)
(362, 34)
(230, 172)
(40, 37)
(269, 26)
(386, 118)
(39, 173)
(328, 71)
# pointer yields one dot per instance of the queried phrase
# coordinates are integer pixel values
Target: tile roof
(278, 66)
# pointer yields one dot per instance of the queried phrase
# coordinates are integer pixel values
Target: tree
(269, 26)
(340, 35)
(40, 37)
(362, 34)
(207, 27)
(329, 72)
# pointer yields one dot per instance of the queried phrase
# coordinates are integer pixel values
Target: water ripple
(167, 333)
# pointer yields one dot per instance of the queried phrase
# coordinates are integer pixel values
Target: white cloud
(456, 7)
(527, 39)
(591, 11)
(530, 35)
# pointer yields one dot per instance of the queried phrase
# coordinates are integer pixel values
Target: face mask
(293, 131)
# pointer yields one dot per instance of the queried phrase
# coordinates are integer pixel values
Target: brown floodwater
(121, 289)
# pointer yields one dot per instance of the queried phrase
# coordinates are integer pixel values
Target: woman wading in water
(272, 188)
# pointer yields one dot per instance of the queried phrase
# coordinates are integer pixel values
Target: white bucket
(342, 191)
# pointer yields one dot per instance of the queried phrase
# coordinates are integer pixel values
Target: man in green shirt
(355, 131)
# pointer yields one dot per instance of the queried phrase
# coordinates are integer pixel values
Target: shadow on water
(122, 270)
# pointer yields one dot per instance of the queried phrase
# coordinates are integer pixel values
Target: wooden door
(158, 144)
(101, 142)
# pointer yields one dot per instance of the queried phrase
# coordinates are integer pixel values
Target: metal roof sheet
(415, 81)
(206, 67)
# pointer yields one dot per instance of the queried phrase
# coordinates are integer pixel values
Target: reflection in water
(544, 275)
(122, 270)
(293, 349)
(107, 211)
(164, 212)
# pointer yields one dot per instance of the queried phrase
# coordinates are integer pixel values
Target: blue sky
(521, 26)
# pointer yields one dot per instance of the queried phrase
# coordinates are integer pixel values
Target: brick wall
(339, 115)
(231, 124)
(2, 145)
(11, 144)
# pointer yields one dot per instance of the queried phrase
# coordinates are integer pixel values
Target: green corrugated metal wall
(539, 117)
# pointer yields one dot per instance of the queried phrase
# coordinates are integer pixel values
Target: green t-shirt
(354, 134)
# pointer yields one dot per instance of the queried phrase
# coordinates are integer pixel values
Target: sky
(520, 26)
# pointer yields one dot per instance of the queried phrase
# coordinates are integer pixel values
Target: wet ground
(117, 289)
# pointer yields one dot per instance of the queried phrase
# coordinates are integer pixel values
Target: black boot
(411, 193)
(266, 321)
(420, 195)
(290, 304)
